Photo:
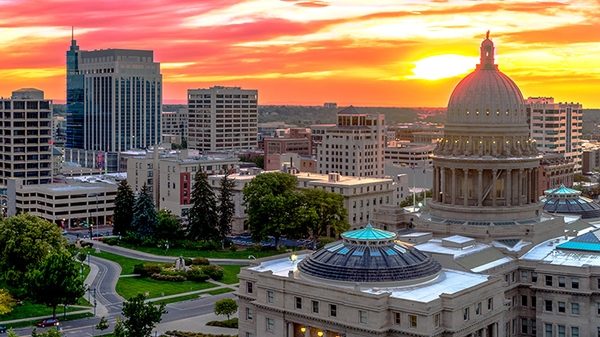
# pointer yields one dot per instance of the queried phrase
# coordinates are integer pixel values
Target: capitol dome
(369, 255)
(486, 96)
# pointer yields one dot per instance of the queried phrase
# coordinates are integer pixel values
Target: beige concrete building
(68, 204)
(556, 127)
(354, 146)
(362, 196)
(222, 118)
(174, 126)
(368, 284)
(170, 175)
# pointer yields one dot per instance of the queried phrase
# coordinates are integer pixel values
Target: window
(575, 283)
(249, 314)
(524, 325)
(599, 332)
(533, 277)
(548, 328)
(249, 287)
(412, 319)
(249, 334)
(561, 307)
(270, 296)
(397, 318)
(561, 331)
(315, 307)
(478, 308)
(548, 280)
(298, 301)
(533, 302)
(490, 303)
(362, 317)
(533, 327)
(523, 276)
(333, 310)
(437, 320)
(575, 308)
(523, 300)
(574, 331)
(270, 324)
(598, 309)
(465, 313)
(548, 305)
(561, 281)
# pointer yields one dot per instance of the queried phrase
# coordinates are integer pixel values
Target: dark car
(2, 329)
(48, 322)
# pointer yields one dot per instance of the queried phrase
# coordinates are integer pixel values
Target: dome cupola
(371, 256)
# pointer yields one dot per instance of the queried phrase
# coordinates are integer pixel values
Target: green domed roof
(369, 233)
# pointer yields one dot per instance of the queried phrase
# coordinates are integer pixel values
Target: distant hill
(307, 115)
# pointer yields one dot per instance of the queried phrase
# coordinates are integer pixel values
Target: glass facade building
(114, 99)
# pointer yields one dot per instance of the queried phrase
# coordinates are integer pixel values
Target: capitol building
(482, 259)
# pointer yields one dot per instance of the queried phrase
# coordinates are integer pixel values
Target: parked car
(47, 322)
(2, 329)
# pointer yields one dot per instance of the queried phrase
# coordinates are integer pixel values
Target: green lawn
(230, 273)
(131, 286)
(126, 263)
(224, 254)
(220, 291)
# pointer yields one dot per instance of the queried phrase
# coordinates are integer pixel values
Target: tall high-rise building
(114, 99)
(222, 118)
(556, 127)
(26, 150)
(353, 147)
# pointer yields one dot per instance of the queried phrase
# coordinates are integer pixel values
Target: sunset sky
(360, 52)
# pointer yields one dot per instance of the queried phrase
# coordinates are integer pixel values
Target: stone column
(307, 332)
(466, 187)
(443, 184)
(521, 187)
(434, 187)
(508, 187)
(453, 186)
(494, 176)
(480, 187)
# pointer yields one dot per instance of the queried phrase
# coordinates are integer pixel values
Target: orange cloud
(310, 51)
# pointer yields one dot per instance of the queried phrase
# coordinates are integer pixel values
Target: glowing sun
(443, 66)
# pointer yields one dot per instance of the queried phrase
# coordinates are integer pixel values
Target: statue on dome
(487, 34)
(494, 149)
(480, 149)
(507, 151)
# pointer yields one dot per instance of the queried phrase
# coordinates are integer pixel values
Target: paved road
(134, 254)
(183, 316)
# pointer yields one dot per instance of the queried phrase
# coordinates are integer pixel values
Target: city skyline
(392, 53)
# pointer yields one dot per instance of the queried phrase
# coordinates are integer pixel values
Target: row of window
(561, 281)
(562, 330)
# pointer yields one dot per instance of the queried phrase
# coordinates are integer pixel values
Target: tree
(144, 221)
(226, 306)
(271, 204)
(169, 225)
(140, 317)
(259, 161)
(124, 202)
(102, 325)
(56, 281)
(6, 302)
(226, 208)
(12, 333)
(320, 210)
(25, 241)
(202, 218)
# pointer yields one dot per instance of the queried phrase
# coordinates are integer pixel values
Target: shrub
(282, 249)
(111, 241)
(233, 248)
(215, 272)
(171, 272)
(209, 245)
(230, 323)
(196, 274)
(140, 270)
(324, 240)
(188, 261)
(170, 278)
(200, 261)
(146, 269)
